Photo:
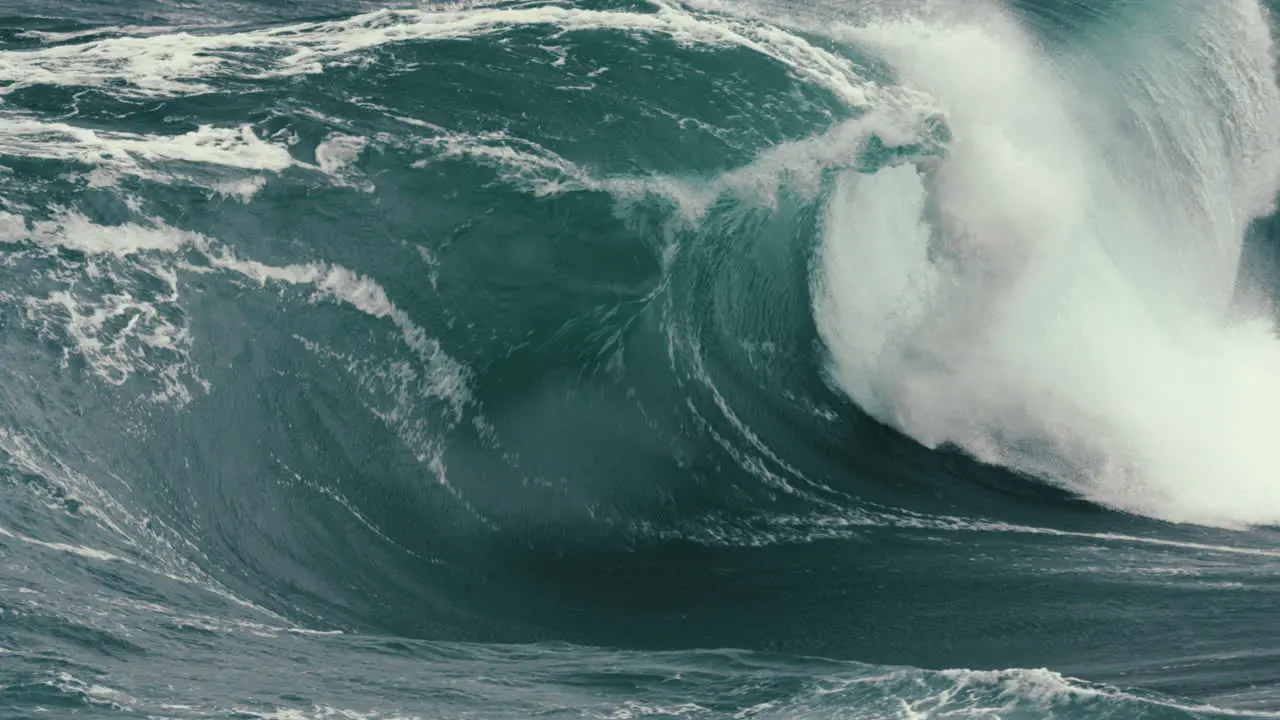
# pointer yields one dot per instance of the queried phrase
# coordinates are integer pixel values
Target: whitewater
(1055, 294)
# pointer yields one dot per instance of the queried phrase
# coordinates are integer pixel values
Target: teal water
(884, 359)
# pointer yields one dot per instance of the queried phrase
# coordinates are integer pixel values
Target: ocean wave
(353, 362)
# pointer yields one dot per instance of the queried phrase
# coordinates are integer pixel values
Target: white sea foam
(76, 232)
(236, 155)
(338, 151)
(1051, 296)
(136, 327)
(236, 147)
(335, 156)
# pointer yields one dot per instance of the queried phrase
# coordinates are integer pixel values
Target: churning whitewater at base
(618, 359)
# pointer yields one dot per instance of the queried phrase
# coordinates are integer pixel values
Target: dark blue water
(883, 359)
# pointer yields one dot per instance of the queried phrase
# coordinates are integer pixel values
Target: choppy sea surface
(639, 358)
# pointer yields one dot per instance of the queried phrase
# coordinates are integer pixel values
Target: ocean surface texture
(702, 359)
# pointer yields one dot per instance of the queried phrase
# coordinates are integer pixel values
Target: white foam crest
(49, 36)
(336, 154)
(149, 65)
(906, 693)
(243, 189)
(181, 63)
(448, 378)
(13, 227)
(522, 163)
(150, 156)
(76, 232)
(337, 151)
(798, 165)
(1051, 295)
(1055, 689)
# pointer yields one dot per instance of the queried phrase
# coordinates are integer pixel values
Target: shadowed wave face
(880, 359)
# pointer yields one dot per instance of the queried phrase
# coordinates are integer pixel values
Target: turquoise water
(883, 359)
